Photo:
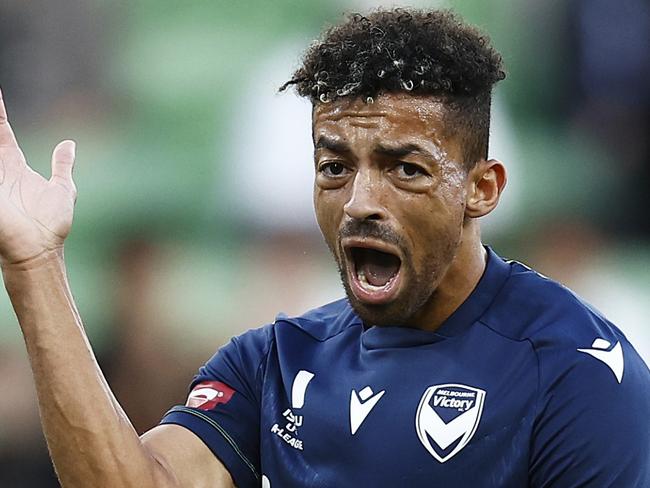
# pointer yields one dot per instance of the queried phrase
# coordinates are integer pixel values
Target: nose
(364, 202)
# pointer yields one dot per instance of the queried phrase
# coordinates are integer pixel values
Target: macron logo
(612, 357)
(360, 406)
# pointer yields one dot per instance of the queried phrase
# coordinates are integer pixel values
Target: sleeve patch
(208, 394)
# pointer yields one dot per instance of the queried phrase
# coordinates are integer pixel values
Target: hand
(35, 213)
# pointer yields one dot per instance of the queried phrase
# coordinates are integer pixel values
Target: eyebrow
(396, 151)
(399, 150)
(334, 145)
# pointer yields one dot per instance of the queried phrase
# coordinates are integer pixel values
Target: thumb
(63, 161)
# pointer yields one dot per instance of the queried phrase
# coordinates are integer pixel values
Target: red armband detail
(208, 394)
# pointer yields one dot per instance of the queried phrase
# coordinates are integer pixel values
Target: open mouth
(374, 273)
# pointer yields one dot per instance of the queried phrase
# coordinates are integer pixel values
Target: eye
(408, 170)
(332, 169)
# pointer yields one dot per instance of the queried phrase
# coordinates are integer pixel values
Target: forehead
(395, 113)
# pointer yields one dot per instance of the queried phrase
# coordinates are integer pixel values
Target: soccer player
(444, 366)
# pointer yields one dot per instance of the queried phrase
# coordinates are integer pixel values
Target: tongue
(378, 267)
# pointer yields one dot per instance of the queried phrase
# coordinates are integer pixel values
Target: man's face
(389, 195)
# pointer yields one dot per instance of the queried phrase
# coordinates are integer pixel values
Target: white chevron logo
(466, 402)
(613, 358)
(360, 406)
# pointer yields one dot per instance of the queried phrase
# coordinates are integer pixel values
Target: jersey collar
(470, 311)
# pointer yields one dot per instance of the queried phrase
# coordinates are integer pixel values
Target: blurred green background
(194, 217)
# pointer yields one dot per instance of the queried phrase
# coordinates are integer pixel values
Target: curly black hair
(407, 50)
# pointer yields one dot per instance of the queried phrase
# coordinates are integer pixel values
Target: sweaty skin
(390, 178)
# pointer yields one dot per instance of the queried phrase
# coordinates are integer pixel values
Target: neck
(458, 282)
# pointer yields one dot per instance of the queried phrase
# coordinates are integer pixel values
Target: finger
(7, 137)
(63, 160)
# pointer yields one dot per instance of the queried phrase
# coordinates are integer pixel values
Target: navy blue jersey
(523, 386)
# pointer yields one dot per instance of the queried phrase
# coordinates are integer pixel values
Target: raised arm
(91, 440)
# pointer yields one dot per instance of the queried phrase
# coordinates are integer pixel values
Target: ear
(486, 180)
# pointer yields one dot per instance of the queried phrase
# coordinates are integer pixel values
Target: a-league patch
(447, 418)
(208, 394)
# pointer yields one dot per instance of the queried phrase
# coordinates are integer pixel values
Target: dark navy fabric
(543, 413)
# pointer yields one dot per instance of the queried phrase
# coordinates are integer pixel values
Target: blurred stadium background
(194, 218)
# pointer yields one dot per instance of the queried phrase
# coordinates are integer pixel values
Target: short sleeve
(223, 406)
(592, 427)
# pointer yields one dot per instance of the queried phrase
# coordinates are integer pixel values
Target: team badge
(447, 418)
(208, 394)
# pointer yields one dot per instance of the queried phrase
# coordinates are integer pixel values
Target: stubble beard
(419, 289)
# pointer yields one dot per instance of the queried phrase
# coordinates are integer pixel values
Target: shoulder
(589, 379)
(320, 323)
(576, 347)
(532, 307)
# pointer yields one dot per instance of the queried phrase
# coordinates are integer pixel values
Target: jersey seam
(262, 361)
(495, 296)
(539, 379)
(221, 431)
(576, 302)
(298, 326)
(537, 401)
(534, 350)
(500, 334)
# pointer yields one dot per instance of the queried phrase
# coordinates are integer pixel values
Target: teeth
(364, 282)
